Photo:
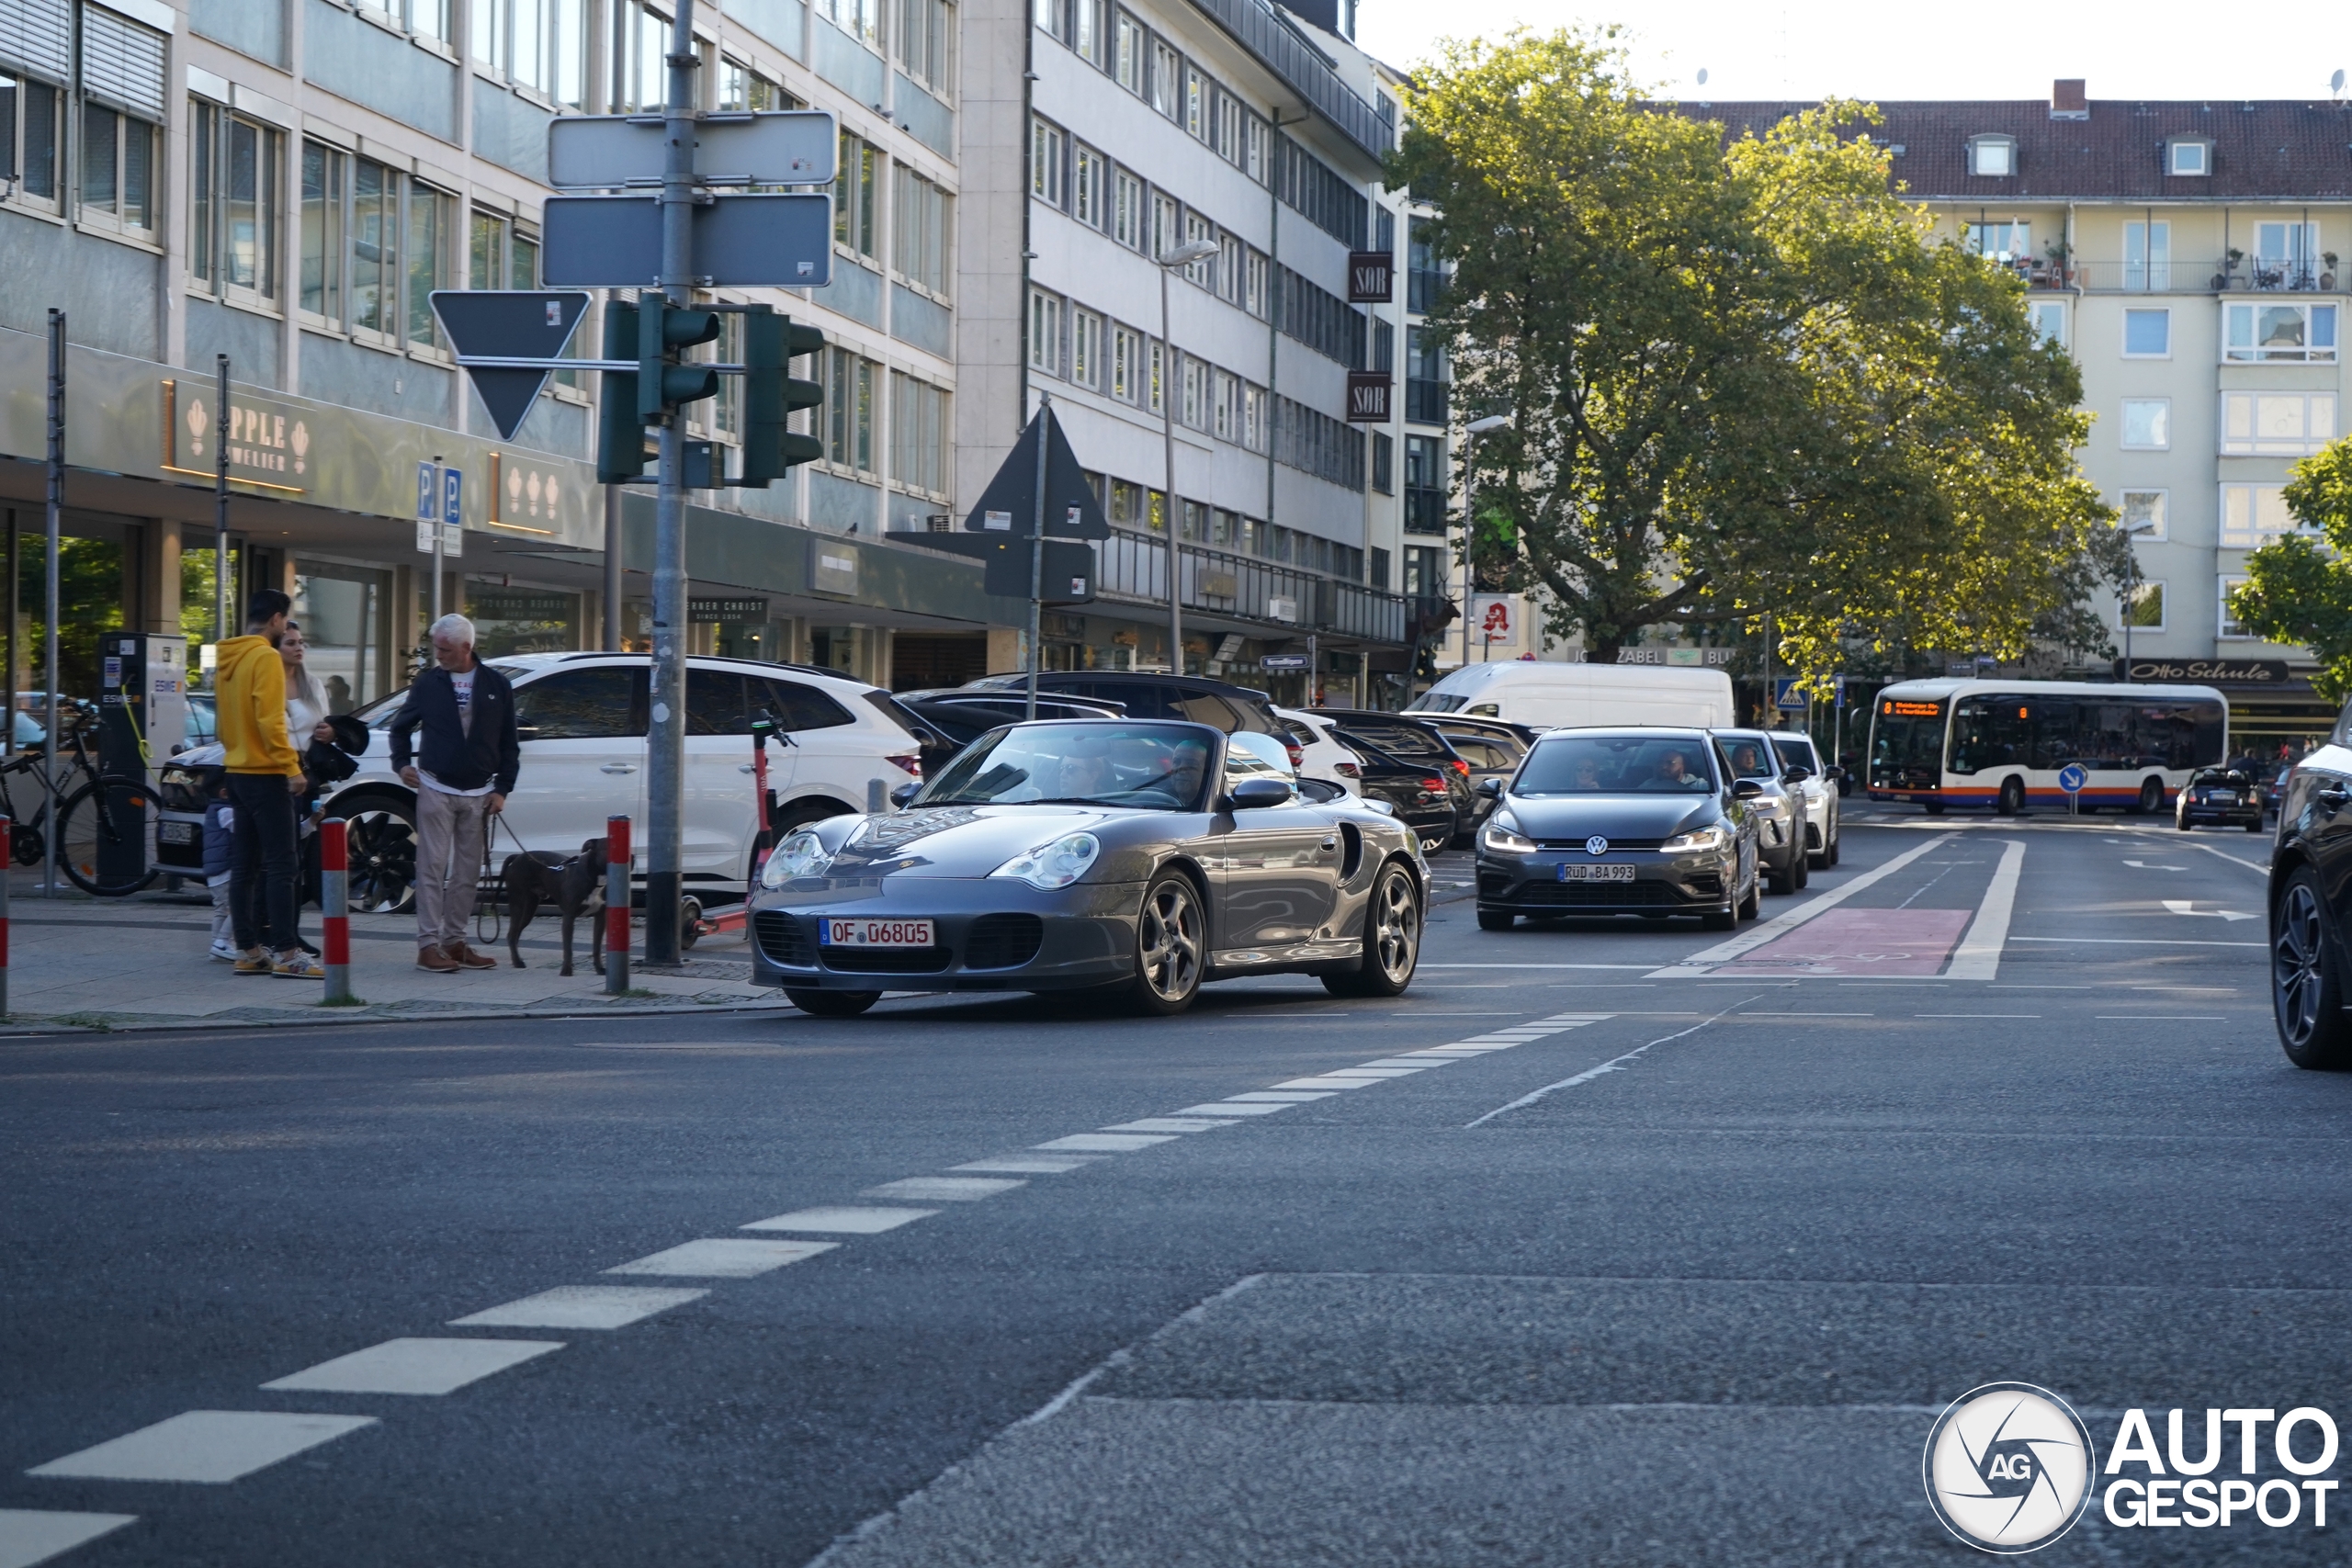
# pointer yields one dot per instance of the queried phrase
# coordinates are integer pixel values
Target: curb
(20, 1028)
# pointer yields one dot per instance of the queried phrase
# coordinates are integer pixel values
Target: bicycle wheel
(105, 831)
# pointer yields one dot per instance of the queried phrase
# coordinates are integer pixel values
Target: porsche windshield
(1151, 767)
(1616, 765)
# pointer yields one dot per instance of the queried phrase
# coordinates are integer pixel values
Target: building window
(1048, 153)
(2143, 508)
(2005, 241)
(2048, 319)
(2230, 626)
(1167, 78)
(1196, 104)
(425, 247)
(1425, 571)
(117, 168)
(2278, 334)
(1126, 364)
(542, 45)
(1228, 269)
(919, 434)
(920, 237)
(2189, 158)
(426, 18)
(375, 248)
(1090, 194)
(1380, 568)
(1384, 465)
(1045, 332)
(2252, 515)
(741, 87)
(1425, 484)
(1993, 156)
(1225, 407)
(862, 19)
(853, 196)
(1255, 296)
(1085, 347)
(2147, 424)
(2142, 607)
(501, 253)
(234, 198)
(1128, 54)
(31, 133)
(1225, 129)
(1196, 229)
(327, 175)
(849, 410)
(1424, 377)
(1164, 224)
(1423, 277)
(2147, 257)
(926, 44)
(1194, 410)
(2276, 424)
(1253, 417)
(1127, 210)
(2147, 335)
(1256, 143)
(640, 40)
(1052, 16)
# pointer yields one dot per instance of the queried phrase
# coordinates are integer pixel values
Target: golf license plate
(1596, 873)
(875, 933)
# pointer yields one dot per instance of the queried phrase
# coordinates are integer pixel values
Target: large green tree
(1742, 379)
(2298, 588)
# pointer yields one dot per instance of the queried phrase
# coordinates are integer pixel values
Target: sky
(1771, 48)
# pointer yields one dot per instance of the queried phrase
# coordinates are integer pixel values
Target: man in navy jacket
(462, 774)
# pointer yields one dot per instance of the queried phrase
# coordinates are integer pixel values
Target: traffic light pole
(666, 773)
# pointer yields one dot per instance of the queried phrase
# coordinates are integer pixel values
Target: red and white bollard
(616, 901)
(335, 900)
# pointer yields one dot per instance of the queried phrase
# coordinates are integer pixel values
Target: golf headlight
(801, 854)
(1697, 841)
(1501, 836)
(1053, 865)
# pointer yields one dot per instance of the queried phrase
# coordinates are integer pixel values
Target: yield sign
(1009, 504)
(527, 327)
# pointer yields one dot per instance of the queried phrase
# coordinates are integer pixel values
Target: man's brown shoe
(469, 958)
(435, 959)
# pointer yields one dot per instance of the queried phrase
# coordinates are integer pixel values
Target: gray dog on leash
(575, 887)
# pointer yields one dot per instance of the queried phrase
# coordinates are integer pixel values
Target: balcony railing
(1281, 50)
(2247, 275)
(1425, 400)
(1133, 567)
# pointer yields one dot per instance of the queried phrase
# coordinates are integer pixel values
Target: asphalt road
(1674, 1261)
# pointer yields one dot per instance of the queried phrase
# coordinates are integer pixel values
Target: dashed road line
(35, 1535)
(842, 1219)
(209, 1448)
(429, 1367)
(724, 1258)
(581, 1306)
(945, 1189)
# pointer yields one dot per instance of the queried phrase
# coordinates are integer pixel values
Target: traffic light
(620, 434)
(771, 397)
(662, 384)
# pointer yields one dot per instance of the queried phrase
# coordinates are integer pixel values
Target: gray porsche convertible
(1133, 859)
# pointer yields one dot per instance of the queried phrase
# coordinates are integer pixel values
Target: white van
(1552, 695)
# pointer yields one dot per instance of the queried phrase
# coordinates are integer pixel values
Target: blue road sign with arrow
(2072, 777)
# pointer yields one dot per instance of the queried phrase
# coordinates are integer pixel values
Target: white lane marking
(35, 1535)
(1409, 1062)
(842, 1219)
(2143, 865)
(1531, 966)
(723, 1257)
(1237, 1108)
(2161, 1018)
(1106, 1142)
(416, 1365)
(1329, 1083)
(1615, 1064)
(1169, 1124)
(1975, 1015)
(2134, 942)
(945, 1189)
(1779, 925)
(2249, 864)
(1978, 956)
(1028, 1166)
(2186, 907)
(580, 1306)
(206, 1447)
(1369, 1073)
(1291, 1097)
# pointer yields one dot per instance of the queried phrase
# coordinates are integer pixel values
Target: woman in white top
(306, 699)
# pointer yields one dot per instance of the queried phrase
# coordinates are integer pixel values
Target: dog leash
(496, 911)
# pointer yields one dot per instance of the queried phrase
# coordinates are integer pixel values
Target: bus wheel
(1935, 809)
(2012, 795)
(2151, 796)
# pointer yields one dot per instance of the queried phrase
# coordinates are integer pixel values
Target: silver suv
(1780, 809)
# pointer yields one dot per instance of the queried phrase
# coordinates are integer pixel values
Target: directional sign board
(795, 147)
(1274, 662)
(755, 240)
(1068, 576)
(1009, 504)
(509, 323)
(2071, 778)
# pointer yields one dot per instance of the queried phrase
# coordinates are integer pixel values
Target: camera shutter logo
(1596, 845)
(2008, 1467)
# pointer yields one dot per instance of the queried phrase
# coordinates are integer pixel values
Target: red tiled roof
(2269, 150)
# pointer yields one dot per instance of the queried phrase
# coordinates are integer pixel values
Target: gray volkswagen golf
(1134, 859)
(1619, 822)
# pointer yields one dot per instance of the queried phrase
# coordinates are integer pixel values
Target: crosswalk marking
(842, 1219)
(205, 1447)
(581, 1306)
(724, 1258)
(1174, 1124)
(1106, 1142)
(1046, 1167)
(416, 1365)
(945, 1189)
(35, 1535)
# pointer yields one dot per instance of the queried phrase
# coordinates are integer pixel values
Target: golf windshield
(1616, 765)
(1153, 767)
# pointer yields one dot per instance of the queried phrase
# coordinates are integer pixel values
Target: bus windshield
(1906, 744)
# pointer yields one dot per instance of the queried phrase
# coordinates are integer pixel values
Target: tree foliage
(2299, 589)
(1741, 377)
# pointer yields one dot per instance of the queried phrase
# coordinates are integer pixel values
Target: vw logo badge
(1596, 845)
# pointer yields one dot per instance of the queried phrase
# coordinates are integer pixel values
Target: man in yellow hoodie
(264, 777)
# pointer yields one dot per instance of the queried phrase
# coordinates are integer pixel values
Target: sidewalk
(76, 961)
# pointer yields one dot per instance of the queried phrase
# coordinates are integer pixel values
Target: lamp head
(1492, 422)
(1189, 253)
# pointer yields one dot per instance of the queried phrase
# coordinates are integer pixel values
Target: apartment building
(1100, 135)
(284, 182)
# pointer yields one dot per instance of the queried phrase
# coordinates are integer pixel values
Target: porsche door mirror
(903, 794)
(1256, 795)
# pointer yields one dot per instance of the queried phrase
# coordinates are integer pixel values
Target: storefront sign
(724, 610)
(1494, 619)
(1372, 277)
(1368, 397)
(832, 568)
(2205, 671)
(525, 490)
(269, 441)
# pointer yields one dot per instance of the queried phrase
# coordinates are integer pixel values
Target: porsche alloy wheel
(1392, 939)
(1170, 944)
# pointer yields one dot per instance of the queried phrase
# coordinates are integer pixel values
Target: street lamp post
(1471, 432)
(2130, 590)
(1182, 256)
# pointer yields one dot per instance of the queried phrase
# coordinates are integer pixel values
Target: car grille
(1003, 941)
(783, 939)
(887, 960)
(1615, 844)
(1619, 895)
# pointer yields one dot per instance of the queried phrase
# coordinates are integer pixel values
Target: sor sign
(1494, 619)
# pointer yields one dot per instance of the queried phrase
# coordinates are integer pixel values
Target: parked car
(1547, 694)
(958, 717)
(1415, 741)
(1520, 735)
(1778, 804)
(2275, 791)
(1489, 757)
(2310, 907)
(1321, 754)
(1135, 858)
(2226, 797)
(1599, 821)
(1220, 705)
(1821, 793)
(582, 718)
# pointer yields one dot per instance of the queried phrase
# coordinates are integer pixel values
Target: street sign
(1009, 504)
(509, 323)
(792, 147)
(2071, 778)
(440, 494)
(1786, 697)
(753, 239)
(1069, 574)
(1274, 662)
(1840, 682)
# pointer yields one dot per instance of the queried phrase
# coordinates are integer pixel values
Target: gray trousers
(449, 829)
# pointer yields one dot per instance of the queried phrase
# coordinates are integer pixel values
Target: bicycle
(105, 817)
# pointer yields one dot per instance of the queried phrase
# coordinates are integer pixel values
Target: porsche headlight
(801, 854)
(1501, 836)
(1697, 841)
(1053, 865)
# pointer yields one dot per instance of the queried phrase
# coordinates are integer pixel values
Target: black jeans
(264, 852)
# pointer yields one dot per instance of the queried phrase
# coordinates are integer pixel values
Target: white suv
(1819, 794)
(581, 719)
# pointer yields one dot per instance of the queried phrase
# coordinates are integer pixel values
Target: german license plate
(875, 933)
(1596, 873)
(175, 832)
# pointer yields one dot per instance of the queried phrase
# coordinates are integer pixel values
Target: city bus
(2002, 743)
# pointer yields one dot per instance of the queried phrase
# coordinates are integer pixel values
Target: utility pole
(56, 523)
(1037, 552)
(666, 773)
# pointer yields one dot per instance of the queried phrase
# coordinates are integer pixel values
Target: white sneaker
(225, 950)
